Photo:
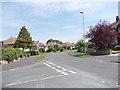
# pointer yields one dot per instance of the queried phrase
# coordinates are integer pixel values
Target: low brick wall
(100, 52)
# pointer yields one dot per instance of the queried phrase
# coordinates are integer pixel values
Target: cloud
(59, 0)
(70, 27)
(48, 9)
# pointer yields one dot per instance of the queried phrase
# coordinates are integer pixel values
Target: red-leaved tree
(101, 35)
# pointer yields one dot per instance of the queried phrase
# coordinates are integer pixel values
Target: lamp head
(81, 12)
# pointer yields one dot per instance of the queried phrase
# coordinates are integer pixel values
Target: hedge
(9, 54)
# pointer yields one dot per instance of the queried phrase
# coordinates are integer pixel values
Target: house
(67, 44)
(10, 41)
(38, 45)
(115, 27)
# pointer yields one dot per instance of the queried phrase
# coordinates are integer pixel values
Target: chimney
(117, 18)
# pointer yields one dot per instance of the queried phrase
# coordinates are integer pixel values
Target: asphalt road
(60, 70)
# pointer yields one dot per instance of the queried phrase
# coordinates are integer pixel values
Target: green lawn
(78, 55)
(39, 58)
(115, 51)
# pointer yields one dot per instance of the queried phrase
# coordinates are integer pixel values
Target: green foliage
(33, 52)
(117, 47)
(91, 45)
(53, 48)
(80, 45)
(56, 48)
(10, 54)
(56, 41)
(61, 49)
(65, 47)
(23, 40)
(39, 57)
(68, 47)
(41, 50)
(7, 46)
(78, 55)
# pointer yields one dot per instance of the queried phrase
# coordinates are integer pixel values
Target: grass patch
(78, 55)
(113, 51)
(39, 58)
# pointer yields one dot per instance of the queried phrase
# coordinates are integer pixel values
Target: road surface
(60, 70)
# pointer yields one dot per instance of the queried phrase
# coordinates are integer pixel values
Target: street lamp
(83, 28)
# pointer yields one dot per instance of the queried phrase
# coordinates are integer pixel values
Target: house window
(119, 30)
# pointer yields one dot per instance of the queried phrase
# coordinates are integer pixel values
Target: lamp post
(83, 28)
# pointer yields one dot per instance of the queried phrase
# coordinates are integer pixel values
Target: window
(119, 30)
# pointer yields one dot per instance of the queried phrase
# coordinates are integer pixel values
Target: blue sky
(56, 20)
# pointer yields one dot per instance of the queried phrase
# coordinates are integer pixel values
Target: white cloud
(70, 27)
(47, 9)
(59, 0)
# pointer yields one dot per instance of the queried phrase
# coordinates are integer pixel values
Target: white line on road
(59, 68)
(50, 77)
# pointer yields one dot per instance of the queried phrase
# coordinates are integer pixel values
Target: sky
(54, 20)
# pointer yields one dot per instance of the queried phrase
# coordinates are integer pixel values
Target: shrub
(68, 47)
(41, 50)
(9, 54)
(117, 47)
(91, 46)
(33, 52)
(61, 49)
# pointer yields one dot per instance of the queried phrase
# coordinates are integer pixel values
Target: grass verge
(39, 58)
(78, 55)
(113, 52)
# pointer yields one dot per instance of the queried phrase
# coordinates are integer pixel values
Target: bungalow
(38, 45)
(115, 27)
(10, 41)
(71, 45)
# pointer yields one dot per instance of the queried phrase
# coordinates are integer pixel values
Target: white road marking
(64, 69)
(72, 72)
(50, 77)
(59, 68)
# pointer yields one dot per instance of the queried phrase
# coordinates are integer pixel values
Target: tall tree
(24, 40)
(56, 41)
(101, 35)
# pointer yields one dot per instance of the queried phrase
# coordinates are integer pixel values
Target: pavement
(60, 70)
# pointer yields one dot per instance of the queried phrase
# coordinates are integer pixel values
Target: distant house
(38, 45)
(52, 44)
(10, 41)
(71, 45)
(115, 27)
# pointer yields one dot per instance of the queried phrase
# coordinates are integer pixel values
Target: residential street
(60, 70)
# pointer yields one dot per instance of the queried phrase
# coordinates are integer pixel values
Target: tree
(101, 35)
(24, 40)
(80, 45)
(55, 41)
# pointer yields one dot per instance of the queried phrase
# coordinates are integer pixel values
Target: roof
(10, 40)
(115, 24)
(37, 43)
(67, 44)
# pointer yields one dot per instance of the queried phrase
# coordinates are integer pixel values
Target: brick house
(115, 27)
